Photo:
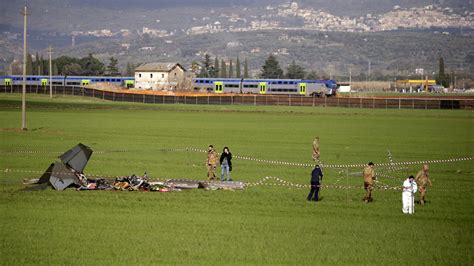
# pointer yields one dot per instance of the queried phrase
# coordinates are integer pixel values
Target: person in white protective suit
(408, 195)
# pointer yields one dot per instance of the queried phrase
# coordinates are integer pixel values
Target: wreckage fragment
(68, 171)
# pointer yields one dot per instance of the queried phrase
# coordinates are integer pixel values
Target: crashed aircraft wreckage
(68, 172)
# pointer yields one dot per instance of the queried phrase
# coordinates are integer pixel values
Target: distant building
(159, 76)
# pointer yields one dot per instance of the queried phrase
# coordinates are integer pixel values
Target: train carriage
(66, 80)
(265, 86)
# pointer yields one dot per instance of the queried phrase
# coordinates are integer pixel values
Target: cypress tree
(231, 69)
(271, 69)
(216, 68)
(442, 79)
(35, 64)
(246, 69)
(112, 68)
(223, 69)
(295, 71)
(55, 69)
(237, 68)
(29, 65)
(42, 64)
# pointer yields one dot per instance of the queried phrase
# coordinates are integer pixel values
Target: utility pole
(369, 71)
(23, 97)
(50, 74)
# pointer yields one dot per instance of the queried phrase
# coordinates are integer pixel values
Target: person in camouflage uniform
(316, 151)
(211, 163)
(423, 180)
(369, 180)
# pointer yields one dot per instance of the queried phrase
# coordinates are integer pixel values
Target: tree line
(221, 69)
(270, 70)
(70, 66)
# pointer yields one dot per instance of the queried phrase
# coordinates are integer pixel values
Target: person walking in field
(316, 179)
(211, 163)
(226, 164)
(408, 195)
(423, 180)
(369, 179)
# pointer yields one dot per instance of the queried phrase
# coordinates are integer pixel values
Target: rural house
(159, 76)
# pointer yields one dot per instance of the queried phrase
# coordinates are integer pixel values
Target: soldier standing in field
(211, 163)
(423, 180)
(369, 179)
(316, 151)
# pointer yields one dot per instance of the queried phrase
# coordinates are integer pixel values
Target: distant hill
(183, 30)
(68, 15)
(328, 54)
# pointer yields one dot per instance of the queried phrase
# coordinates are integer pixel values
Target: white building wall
(151, 80)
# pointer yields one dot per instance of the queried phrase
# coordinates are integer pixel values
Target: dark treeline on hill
(270, 69)
(70, 66)
(207, 69)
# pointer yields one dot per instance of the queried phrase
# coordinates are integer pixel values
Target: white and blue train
(66, 80)
(210, 85)
(266, 86)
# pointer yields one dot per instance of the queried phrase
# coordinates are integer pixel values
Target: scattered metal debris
(68, 172)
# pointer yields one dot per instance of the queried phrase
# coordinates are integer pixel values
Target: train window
(280, 82)
(139, 75)
(151, 76)
(285, 82)
(163, 75)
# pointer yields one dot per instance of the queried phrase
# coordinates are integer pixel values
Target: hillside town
(283, 16)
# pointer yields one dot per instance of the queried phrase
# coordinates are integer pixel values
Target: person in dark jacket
(316, 178)
(226, 164)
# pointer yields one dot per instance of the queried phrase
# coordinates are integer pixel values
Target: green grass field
(259, 225)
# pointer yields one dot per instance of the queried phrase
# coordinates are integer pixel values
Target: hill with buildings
(395, 36)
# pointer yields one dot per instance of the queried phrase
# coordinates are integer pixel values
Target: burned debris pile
(68, 173)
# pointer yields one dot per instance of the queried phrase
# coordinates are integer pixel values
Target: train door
(218, 87)
(129, 84)
(44, 82)
(8, 82)
(302, 88)
(263, 87)
(85, 82)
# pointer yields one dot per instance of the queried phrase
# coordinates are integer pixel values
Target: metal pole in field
(50, 74)
(23, 97)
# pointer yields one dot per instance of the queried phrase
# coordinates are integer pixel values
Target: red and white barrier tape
(276, 162)
(266, 181)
